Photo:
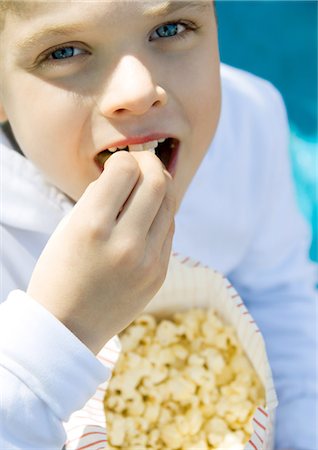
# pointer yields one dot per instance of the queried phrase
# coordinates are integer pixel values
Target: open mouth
(166, 150)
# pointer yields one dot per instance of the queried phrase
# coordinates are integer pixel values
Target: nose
(131, 90)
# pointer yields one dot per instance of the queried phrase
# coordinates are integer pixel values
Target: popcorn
(117, 431)
(181, 384)
(170, 436)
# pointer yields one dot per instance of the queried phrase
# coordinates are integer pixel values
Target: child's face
(80, 77)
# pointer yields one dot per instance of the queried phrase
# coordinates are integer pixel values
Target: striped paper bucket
(188, 285)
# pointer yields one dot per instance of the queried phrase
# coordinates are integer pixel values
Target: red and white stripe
(87, 427)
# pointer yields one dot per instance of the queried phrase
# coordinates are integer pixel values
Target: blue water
(277, 40)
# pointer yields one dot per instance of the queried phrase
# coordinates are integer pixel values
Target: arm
(276, 281)
(46, 373)
(100, 267)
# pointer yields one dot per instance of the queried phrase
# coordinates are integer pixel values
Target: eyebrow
(170, 6)
(49, 33)
(161, 9)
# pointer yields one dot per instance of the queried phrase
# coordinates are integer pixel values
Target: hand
(109, 257)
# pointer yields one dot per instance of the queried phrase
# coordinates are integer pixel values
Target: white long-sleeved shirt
(238, 216)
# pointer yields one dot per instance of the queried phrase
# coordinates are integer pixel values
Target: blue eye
(65, 53)
(62, 53)
(169, 30)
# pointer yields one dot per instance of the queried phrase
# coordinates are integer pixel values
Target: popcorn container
(188, 285)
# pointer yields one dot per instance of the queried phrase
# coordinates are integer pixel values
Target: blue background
(277, 40)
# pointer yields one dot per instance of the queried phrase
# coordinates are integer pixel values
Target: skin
(123, 81)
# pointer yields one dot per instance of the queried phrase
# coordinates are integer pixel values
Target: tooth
(135, 148)
(122, 147)
(152, 150)
(112, 149)
(161, 140)
(150, 144)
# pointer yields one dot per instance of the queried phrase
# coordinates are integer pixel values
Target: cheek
(53, 136)
(199, 92)
(202, 102)
(204, 108)
(52, 126)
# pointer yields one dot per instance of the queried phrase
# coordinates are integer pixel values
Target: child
(80, 81)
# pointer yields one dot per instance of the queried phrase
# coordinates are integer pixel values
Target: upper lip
(133, 140)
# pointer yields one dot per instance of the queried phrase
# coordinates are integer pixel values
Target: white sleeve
(276, 281)
(46, 374)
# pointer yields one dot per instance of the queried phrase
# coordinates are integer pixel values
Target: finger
(167, 246)
(162, 222)
(147, 196)
(106, 196)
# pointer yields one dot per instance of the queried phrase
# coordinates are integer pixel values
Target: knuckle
(170, 203)
(91, 185)
(96, 228)
(157, 183)
(153, 268)
(157, 285)
(89, 191)
(173, 227)
(128, 166)
(161, 273)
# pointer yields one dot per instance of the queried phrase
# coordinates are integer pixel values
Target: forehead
(29, 7)
(22, 7)
(55, 15)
